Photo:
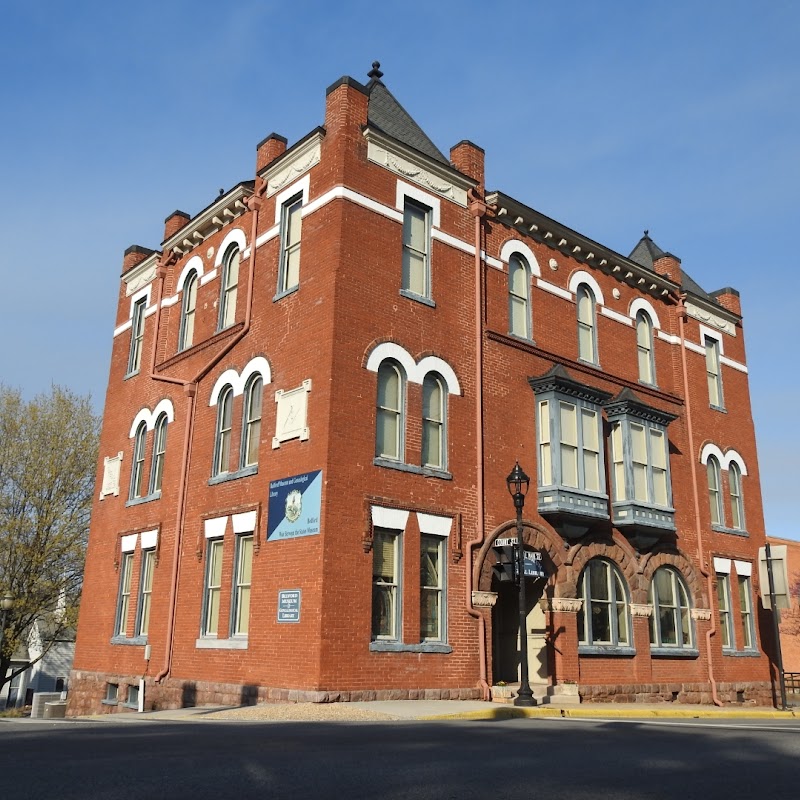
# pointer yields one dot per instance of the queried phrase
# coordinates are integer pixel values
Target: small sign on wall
(289, 605)
(294, 506)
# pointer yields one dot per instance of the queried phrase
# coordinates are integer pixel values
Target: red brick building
(318, 386)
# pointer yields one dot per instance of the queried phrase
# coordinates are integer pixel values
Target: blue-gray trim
(233, 247)
(726, 651)
(212, 643)
(614, 647)
(136, 501)
(426, 301)
(439, 381)
(731, 531)
(428, 212)
(161, 422)
(428, 472)
(248, 390)
(138, 641)
(219, 470)
(295, 199)
(224, 477)
(182, 345)
(401, 444)
(137, 316)
(674, 652)
(385, 646)
(605, 650)
(286, 293)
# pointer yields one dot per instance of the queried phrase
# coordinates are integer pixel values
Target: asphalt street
(549, 758)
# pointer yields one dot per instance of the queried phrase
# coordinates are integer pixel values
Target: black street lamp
(7, 603)
(518, 483)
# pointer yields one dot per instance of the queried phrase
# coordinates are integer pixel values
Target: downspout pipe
(680, 304)
(478, 209)
(254, 203)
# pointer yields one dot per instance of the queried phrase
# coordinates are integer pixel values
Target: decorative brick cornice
(641, 610)
(701, 614)
(566, 604)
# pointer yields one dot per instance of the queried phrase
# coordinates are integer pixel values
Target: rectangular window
(569, 444)
(658, 463)
(618, 461)
(213, 587)
(545, 456)
(431, 587)
(241, 591)
(385, 584)
(145, 591)
(137, 336)
(746, 609)
(639, 462)
(133, 697)
(125, 571)
(713, 372)
(591, 450)
(112, 693)
(725, 622)
(291, 226)
(416, 242)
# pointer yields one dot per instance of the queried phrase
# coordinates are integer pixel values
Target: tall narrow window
(385, 585)
(241, 596)
(251, 438)
(291, 227)
(159, 451)
(230, 284)
(746, 609)
(519, 281)
(137, 336)
(431, 585)
(713, 372)
(644, 347)
(569, 444)
(725, 621)
(416, 242)
(545, 454)
(618, 461)
(137, 467)
(603, 620)
(222, 448)
(737, 503)
(188, 307)
(714, 494)
(670, 623)
(213, 587)
(587, 340)
(123, 602)
(433, 422)
(389, 432)
(145, 591)
(590, 430)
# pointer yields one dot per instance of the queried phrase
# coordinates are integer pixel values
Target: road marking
(643, 721)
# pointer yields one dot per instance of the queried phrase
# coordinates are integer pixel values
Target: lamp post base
(525, 698)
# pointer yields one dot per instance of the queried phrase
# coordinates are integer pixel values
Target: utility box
(56, 709)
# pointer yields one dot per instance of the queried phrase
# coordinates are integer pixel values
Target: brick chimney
(174, 222)
(134, 255)
(267, 150)
(728, 298)
(669, 266)
(470, 159)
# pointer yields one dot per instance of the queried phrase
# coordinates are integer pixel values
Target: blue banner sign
(289, 605)
(294, 506)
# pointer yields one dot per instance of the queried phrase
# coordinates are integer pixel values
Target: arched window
(230, 282)
(222, 445)
(389, 429)
(188, 306)
(519, 281)
(159, 449)
(644, 347)
(670, 623)
(714, 494)
(587, 340)
(137, 470)
(434, 423)
(603, 619)
(251, 433)
(737, 501)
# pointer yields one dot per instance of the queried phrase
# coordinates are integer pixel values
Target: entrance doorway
(505, 634)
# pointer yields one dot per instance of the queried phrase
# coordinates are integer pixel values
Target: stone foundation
(87, 691)
(749, 694)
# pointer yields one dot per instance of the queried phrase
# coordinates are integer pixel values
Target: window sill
(131, 706)
(285, 293)
(741, 653)
(129, 640)
(426, 301)
(208, 643)
(519, 338)
(381, 646)
(588, 363)
(605, 650)
(674, 652)
(428, 472)
(109, 702)
(721, 409)
(648, 384)
(224, 477)
(128, 375)
(731, 531)
(137, 501)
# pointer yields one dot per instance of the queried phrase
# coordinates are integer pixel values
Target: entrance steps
(564, 694)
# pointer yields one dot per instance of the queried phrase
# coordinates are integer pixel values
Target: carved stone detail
(569, 604)
(111, 469)
(291, 419)
(701, 614)
(306, 158)
(710, 319)
(641, 610)
(139, 278)
(484, 599)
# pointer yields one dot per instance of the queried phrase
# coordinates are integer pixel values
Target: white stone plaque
(291, 419)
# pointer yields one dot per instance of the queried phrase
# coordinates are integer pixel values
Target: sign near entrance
(506, 564)
(532, 566)
(289, 605)
(294, 506)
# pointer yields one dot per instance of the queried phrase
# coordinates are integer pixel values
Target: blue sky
(680, 117)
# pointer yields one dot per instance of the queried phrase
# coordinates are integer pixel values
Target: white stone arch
(516, 246)
(732, 456)
(235, 236)
(394, 351)
(259, 365)
(194, 263)
(228, 378)
(711, 449)
(149, 417)
(237, 381)
(435, 364)
(581, 276)
(640, 304)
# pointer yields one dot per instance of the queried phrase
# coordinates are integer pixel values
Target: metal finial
(647, 233)
(375, 73)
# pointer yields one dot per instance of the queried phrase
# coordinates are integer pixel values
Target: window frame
(288, 247)
(614, 580)
(715, 505)
(645, 350)
(137, 336)
(159, 454)
(211, 591)
(586, 325)
(714, 372)
(240, 586)
(124, 594)
(520, 300)
(251, 424)
(144, 604)
(393, 588)
(224, 432)
(136, 490)
(724, 607)
(188, 311)
(439, 589)
(398, 413)
(431, 425)
(411, 205)
(745, 587)
(229, 291)
(736, 493)
(680, 609)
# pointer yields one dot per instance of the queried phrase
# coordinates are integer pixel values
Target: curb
(514, 712)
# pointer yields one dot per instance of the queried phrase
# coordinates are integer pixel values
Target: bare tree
(48, 455)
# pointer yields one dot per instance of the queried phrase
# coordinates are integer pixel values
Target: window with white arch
(519, 282)
(188, 308)
(587, 324)
(737, 500)
(644, 348)
(434, 422)
(229, 289)
(389, 432)
(604, 619)
(714, 475)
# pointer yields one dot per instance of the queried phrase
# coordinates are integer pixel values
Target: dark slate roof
(647, 252)
(386, 114)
